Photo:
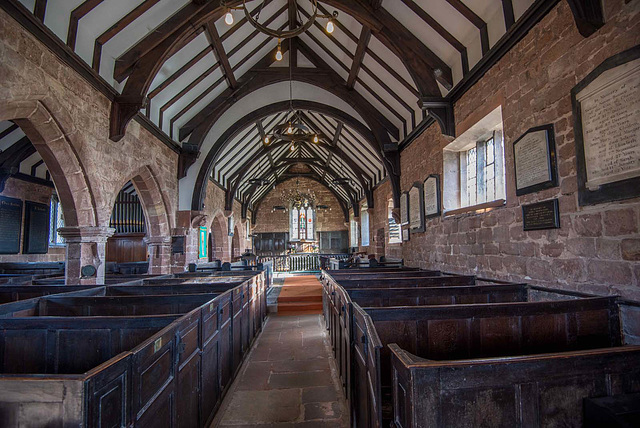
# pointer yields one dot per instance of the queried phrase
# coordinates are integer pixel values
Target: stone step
(299, 306)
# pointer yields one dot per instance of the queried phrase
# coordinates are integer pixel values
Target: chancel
(340, 213)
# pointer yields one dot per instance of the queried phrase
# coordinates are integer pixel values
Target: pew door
(188, 361)
(210, 360)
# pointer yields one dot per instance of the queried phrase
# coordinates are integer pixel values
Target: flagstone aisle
(288, 379)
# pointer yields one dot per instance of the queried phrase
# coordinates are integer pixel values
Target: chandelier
(298, 199)
(279, 34)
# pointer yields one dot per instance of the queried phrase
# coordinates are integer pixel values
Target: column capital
(157, 240)
(79, 234)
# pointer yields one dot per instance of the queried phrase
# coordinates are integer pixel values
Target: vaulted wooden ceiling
(387, 66)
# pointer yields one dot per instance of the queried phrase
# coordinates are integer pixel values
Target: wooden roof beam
(450, 38)
(479, 23)
(76, 15)
(363, 42)
(221, 55)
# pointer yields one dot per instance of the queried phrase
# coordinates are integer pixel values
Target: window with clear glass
(482, 172)
(395, 230)
(56, 221)
(364, 226)
(353, 229)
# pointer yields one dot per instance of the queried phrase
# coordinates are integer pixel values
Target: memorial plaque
(404, 208)
(541, 215)
(416, 208)
(432, 196)
(607, 128)
(36, 228)
(535, 160)
(10, 222)
(177, 244)
(405, 234)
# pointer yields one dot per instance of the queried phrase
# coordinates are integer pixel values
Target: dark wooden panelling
(126, 248)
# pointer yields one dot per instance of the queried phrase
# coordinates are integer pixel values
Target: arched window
(302, 223)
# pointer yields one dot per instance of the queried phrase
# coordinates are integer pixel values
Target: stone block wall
(597, 248)
(27, 191)
(327, 220)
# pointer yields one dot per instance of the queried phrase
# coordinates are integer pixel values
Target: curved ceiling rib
(250, 119)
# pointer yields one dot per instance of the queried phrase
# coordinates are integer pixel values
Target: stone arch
(152, 200)
(85, 240)
(63, 163)
(220, 238)
(157, 218)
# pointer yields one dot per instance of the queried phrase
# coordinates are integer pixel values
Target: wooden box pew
(452, 332)
(338, 312)
(406, 282)
(171, 376)
(14, 293)
(449, 295)
(120, 306)
(385, 275)
(29, 307)
(63, 372)
(550, 389)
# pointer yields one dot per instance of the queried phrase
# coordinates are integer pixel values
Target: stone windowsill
(475, 208)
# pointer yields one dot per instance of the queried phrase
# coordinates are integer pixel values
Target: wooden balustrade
(302, 262)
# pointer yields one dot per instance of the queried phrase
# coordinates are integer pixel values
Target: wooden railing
(302, 262)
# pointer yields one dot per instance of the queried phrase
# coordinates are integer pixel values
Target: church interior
(320, 213)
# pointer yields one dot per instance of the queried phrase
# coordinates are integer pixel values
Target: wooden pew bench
(453, 332)
(152, 370)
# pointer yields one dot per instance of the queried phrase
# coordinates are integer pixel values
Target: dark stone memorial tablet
(541, 215)
(10, 221)
(177, 245)
(36, 228)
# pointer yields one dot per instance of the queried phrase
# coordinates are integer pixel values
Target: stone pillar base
(86, 247)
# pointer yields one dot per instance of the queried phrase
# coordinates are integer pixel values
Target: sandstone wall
(597, 248)
(278, 221)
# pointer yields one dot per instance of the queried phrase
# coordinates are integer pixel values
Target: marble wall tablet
(607, 124)
(535, 160)
(432, 196)
(416, 207)
(404, 208)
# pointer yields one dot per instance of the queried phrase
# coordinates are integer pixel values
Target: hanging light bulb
(293, 147)
(330, 26)
(290, 129)
(315, 138)
(279, 51)
(228, 17)
(266, 139)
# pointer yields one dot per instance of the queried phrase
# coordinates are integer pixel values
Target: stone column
(159, 250)
(86, 248)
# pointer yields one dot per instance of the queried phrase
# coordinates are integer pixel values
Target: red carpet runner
(300, 295)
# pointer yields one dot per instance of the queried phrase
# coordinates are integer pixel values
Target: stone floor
(288, 379)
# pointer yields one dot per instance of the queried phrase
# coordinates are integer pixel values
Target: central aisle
(288, 379)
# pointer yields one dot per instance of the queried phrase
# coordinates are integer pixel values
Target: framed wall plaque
(36, 228)
(405, 234)
(416, 207)
(432, 197)
(10, 225)
(541, 215)
(606, 112)
(535, 160)
(404, 208)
